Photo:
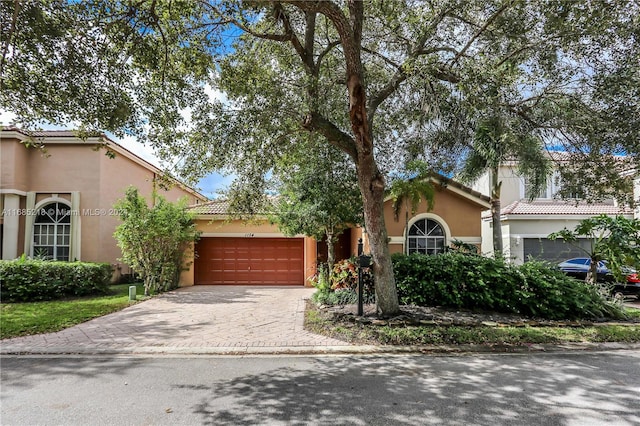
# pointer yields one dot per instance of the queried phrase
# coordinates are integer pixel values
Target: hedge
(26, 280)
(474, 282)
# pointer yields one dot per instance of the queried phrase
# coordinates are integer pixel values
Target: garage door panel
(253, 261)
(553, 250)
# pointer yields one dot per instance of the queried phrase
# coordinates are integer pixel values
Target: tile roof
(219, 207)
(48, 133)
(559, 207)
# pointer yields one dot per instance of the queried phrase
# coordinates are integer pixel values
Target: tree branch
(9, 37)
(327, 49)
(336, 137)
(400, 75)
(481, 30)
(342, 26)
(280, 14)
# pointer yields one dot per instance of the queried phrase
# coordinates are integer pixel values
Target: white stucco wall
(636, 197)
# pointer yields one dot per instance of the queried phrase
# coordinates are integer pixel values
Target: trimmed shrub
(474, 282)
(26, 280)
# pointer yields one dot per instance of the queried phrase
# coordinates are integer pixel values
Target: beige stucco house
(57, 193)
(256, 252)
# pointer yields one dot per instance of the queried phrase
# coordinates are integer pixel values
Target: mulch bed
(437, 316)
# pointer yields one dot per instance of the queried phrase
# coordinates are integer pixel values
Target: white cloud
(141, 150)
(6, 118)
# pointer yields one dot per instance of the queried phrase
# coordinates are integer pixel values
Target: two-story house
(527, 222)
(57, 193)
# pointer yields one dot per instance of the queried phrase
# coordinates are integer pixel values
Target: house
(232, 251)
(527, 223)
(57, 193)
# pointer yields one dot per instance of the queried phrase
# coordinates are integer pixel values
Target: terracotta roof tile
(219, 207)
(558, 207)
(47, 133)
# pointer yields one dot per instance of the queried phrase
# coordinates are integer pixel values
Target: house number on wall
(249, 234)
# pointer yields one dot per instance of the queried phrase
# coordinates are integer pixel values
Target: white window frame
(55, 226)
(428, 216)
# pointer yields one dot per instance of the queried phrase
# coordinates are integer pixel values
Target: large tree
(384, 81)
(319, 199)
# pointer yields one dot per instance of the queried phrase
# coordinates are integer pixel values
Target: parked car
(579, 266)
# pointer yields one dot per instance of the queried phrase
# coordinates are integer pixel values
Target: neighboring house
(57, 193)
(527, 223)
(256, 252)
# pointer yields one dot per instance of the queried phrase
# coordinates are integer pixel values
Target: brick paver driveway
(208, 319)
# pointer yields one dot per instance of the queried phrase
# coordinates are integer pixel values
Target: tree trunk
(372, 184)
(331, 255)
(385, 285)
(498, 248)
(592, 274)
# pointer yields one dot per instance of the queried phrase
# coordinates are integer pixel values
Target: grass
(323, 323)
(21, 319)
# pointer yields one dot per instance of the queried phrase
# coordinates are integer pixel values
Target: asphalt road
(541, 389)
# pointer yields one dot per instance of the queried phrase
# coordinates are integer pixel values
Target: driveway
(199, 319)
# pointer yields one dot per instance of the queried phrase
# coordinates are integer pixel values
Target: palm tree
(495, 141)
(411, 190)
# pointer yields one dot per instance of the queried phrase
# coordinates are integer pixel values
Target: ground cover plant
(541, 305)
(21, 319)
(340, 285)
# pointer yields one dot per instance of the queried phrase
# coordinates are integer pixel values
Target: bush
(473, 282)
(548, 292)
(341, 286)
(26, 280)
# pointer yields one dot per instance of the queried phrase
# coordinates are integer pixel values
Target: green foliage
(384, 81)
(462, 247)
(411, 189)
(26, 280)
(340, 287)
(320, 199)
(614, 239)
(474, 282)
(155, 241)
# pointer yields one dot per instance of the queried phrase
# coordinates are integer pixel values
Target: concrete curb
(325, 350)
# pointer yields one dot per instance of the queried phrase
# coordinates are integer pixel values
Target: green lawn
(21, 319)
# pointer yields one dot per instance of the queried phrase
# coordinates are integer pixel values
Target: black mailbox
(364, 261)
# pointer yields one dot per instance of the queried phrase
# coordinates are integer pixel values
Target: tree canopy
(319, 199)
(384, 81)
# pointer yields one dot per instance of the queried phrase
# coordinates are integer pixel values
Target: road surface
(540, 389)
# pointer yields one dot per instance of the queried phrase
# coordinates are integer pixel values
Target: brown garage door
(275, 261)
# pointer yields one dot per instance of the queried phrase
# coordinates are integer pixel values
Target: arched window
(51, 232)
(426, 236)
